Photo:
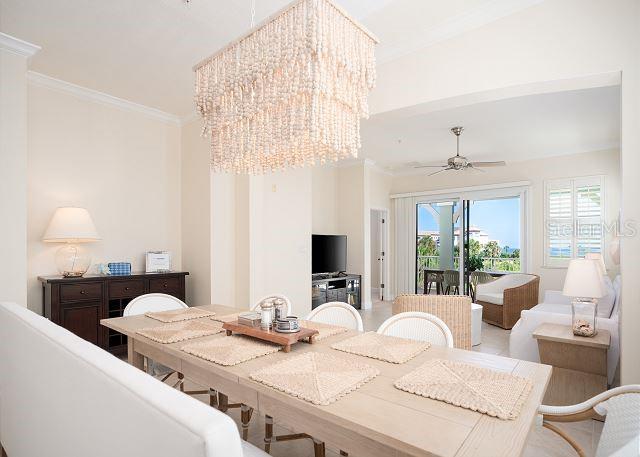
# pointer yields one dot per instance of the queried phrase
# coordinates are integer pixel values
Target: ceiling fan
(459, 162)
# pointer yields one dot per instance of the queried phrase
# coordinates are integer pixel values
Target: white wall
(196, 214)
(535, 171)
(280, 235)
(13, 176)
(325, 200)
(123, 166)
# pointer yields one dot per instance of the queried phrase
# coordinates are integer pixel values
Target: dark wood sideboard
(78, 304)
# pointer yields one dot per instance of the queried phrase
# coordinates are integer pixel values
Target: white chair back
(337, 313)
(418, 326)
(621, 432)
(271, 297)
(153, 303)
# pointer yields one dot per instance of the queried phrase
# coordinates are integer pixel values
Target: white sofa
(61, 396)
(556, 309)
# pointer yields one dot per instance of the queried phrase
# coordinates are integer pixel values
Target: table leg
(229, 332)
(245, 418)
(287, 348)
(136, 359)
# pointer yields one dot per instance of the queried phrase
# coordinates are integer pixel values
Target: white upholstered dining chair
(154, 303)
(416, 325)
(337, 313)
(620, 435)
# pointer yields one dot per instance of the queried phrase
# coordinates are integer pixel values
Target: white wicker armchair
(621, 433)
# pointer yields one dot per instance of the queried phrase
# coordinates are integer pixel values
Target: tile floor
(542, 442)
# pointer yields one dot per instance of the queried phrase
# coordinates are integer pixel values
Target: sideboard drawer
(82, 291)
(126, 289)
(169, 286)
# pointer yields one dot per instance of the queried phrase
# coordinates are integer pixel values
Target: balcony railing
(491, 264)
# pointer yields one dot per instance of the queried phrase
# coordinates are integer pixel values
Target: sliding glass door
(438, 255)
(470, 232)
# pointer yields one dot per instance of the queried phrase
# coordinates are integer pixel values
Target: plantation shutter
(574, 218)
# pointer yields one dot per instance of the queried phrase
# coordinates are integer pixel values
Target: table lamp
(71, 226)
(584, 284)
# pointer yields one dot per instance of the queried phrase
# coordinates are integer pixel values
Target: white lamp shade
(72, 225)
(583, 279)
(599, 260)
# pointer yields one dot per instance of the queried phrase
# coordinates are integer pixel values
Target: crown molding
(18, 46)
(38, 79)
(189, 118)
(457, 25)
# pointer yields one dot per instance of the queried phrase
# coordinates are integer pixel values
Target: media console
(338, 287)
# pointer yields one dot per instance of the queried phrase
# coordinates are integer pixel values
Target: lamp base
(583, 317)
(72, 261)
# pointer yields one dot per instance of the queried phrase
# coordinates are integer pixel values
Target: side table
(579, 363)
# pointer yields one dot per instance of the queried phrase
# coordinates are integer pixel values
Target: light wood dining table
(376, 420)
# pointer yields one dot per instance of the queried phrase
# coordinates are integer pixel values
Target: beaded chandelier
(289, 93)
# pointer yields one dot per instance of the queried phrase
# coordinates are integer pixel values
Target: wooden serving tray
(283, 339)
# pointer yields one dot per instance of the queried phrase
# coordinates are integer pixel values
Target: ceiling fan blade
(439, 171)
(431, 166)
(488, 164)
(471, 167)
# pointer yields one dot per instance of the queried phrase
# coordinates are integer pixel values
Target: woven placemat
(486, 391)
(182, 314)
(226, 317)
(318, 378)
(382, 347)
(324, 330)
(181, 331)
(230, 350)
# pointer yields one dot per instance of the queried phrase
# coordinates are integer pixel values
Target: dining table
(375, 420)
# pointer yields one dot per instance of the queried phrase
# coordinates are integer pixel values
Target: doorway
(378, 237)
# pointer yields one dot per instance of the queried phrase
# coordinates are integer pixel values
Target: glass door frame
(462, 228)
(463, 196)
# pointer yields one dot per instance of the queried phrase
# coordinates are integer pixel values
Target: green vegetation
(490, 257)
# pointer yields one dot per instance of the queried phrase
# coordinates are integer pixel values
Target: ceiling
(143, 50)
(513, 129)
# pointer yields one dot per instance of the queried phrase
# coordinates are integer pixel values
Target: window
(574, 216)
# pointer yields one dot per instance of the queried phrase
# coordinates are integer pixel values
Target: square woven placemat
(181, 331)
(177, 315)
(382, 347)
(318, 378)
(324, 330)
(230, 350)
(486, 391)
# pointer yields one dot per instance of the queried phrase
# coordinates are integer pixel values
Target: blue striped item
(119, 268)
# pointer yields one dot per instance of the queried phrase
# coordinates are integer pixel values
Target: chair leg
(565, 437)
(181, 378)
(344, 453)
(245, 418)
(223, 402)
(318, 448)
(268, 433)
(213, 398)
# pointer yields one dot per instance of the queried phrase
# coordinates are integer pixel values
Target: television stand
(343, 287)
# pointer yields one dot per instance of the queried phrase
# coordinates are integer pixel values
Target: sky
(500, 218)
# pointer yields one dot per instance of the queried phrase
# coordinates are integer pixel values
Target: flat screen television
(328, 253)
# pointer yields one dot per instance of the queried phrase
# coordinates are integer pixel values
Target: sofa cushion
(606, 303)
(495, 298)
(617, 286)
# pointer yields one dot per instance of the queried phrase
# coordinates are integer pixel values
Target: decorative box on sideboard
(78, 304)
